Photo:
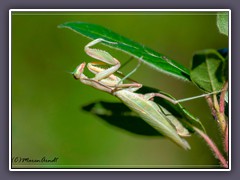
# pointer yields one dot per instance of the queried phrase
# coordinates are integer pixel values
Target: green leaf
(207, 70)
(152, 58)
(222, 22)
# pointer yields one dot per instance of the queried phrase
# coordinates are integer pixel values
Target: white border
(230, 90)
(115, 10)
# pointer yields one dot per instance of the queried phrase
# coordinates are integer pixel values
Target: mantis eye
(75, 76)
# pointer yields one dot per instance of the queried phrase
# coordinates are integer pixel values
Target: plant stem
(213, 147)
(226, 140)
(220, 116)
(210, 104)
(222, 98)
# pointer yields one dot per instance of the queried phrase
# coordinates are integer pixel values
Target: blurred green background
(47, 119)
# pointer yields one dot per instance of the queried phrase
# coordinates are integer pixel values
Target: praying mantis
(105, 80)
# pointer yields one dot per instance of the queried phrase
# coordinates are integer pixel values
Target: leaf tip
(61, 26)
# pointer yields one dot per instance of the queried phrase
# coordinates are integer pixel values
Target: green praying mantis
(152, 113)
(105, 80)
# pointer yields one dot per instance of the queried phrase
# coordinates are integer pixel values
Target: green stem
(222, 97)
(220, 116)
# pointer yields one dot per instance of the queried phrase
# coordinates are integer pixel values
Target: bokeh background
(47, 116)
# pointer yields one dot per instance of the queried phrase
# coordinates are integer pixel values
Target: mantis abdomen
(150, 112)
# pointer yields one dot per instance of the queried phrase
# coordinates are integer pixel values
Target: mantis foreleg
(104, 57)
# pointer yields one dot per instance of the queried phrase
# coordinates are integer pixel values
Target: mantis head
(78, 71)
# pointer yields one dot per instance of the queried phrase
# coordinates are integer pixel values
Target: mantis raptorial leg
(104, 57)
(106, 75)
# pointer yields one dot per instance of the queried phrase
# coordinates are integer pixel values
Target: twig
(213, 147)
(226, 140)
(210, 104)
